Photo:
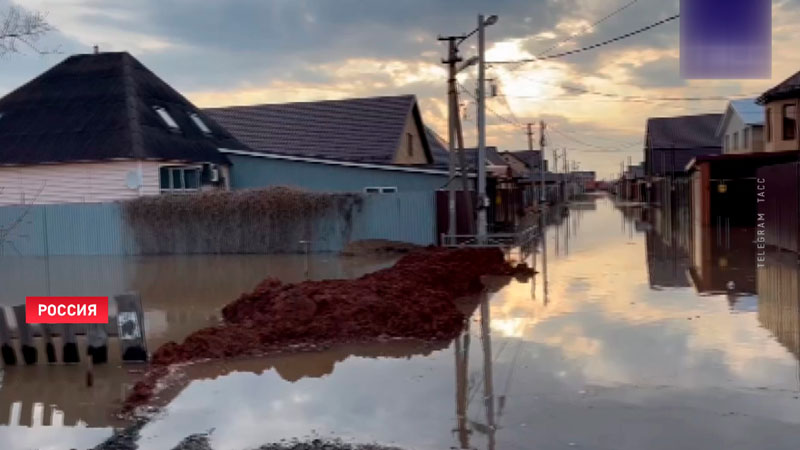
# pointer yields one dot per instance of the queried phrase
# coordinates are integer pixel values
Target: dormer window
(167, 118)
(200, 124)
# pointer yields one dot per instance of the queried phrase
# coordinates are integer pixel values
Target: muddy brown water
(642, 334)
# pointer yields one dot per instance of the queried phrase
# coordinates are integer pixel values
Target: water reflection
(606, 361)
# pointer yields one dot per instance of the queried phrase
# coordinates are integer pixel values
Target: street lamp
(484, 202)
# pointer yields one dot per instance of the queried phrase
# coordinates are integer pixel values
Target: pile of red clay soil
(414, 299)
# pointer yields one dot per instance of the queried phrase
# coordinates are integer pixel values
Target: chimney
(96, 49)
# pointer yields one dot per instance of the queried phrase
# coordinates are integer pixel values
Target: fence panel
(101, 229)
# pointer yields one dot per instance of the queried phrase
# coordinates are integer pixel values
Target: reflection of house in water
(724, 261)
(779, 299)
(668, 246)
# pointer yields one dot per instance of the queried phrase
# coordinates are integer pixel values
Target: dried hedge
(271, 220)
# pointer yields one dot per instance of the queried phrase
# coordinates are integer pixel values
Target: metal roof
(365, 130)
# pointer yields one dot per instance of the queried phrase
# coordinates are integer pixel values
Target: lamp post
(484, 202)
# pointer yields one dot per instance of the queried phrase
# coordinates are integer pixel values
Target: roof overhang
(340, 163)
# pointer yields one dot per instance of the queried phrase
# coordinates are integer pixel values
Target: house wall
(418, 154)
(774, 114)
(250, 172)
(76, 183)
(735, 128)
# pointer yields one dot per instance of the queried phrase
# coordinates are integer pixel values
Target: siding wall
(774, 113)
(100, 228)
(76, 183)
(254, 172)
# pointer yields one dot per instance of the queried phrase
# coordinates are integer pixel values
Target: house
(742, 127)
(670, 143)
(102, 127)
(530, 158)
(780, 117)
(373, 145)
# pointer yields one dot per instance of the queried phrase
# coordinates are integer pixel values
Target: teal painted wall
(253, 172)
(100, 228)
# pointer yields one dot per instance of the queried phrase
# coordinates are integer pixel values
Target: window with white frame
(198, 122)
(380, 190)
(175, 179)
(167, 118)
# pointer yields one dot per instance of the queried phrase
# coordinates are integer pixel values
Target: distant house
(372, 145)
(530, 158)
(671, 142)
(102, 127)
(781, 104)
(742, 127)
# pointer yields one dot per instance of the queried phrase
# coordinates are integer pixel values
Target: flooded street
(636, 336)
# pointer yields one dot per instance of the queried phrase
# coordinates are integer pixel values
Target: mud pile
(412, 299)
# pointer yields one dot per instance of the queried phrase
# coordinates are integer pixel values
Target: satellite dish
(133, 180)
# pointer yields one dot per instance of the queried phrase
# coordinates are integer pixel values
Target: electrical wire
(580, 33)
(589, 47)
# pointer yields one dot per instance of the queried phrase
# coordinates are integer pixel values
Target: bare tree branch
(21, 29)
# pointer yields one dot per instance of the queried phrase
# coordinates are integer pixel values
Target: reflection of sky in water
(604, 362)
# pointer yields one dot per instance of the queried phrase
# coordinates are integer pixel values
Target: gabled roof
(527, 157)
(366, 130)
(100, 107)
(789, 88)
(748, 110)
(683, 132)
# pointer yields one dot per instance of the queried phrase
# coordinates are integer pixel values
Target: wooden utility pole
(532, 163)
(542, 141)
(456, 140)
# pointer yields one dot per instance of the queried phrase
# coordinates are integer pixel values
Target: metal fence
(779, 205)
(101, 229)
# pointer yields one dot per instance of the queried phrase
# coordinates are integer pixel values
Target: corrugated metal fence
(100, 228)
(779, 205)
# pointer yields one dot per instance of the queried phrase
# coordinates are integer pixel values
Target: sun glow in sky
(248, 52)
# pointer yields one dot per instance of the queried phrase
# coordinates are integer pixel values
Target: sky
(238, 52)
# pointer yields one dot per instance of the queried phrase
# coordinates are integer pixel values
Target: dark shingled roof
(365, 130)
(683, 132)
(101, 107)
(674, 141)
(789, 88)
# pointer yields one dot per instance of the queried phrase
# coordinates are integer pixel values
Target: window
(200, 124)
(410, 144)
(769, 124)
(789, 122)
(736, 140)
(746, 138)
(168, 120)
(179, 179)
(380, 190)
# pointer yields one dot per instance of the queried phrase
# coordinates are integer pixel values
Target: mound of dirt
(413, 299)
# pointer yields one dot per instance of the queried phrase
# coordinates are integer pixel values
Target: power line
(510, 121)
(575, 35)
(590, 47)
(635, 98)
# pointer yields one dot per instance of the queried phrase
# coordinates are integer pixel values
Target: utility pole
(555, 170)
(482, 130)
(455, 134)
(532, 163)
(452, 59)
(566, 175)
(542, 127)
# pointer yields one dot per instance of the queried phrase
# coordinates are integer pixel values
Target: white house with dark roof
(372, 145)
(102, 127)
(741, 129)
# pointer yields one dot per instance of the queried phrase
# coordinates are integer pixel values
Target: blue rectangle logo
(726, 39)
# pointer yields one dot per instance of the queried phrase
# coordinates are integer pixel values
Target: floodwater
(643, 334)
